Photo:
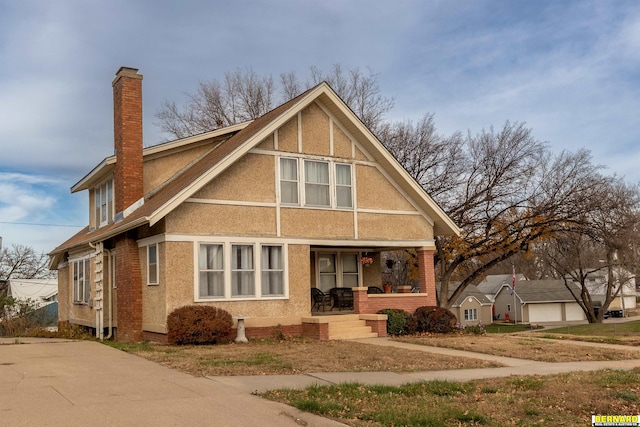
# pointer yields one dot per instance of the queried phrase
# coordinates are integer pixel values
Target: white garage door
(545, 312)
(574, 312)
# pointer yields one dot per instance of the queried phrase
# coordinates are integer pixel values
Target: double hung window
(338, 270)
(81, 280)
(103, 195)
(211, 266)
(152, 264)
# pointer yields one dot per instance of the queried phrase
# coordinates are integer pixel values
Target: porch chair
(341, 298)
(319, 299)
(374, 290)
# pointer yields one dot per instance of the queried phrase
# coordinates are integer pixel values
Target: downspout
(110, 284)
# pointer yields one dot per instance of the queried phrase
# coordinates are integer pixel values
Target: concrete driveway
(82, 383)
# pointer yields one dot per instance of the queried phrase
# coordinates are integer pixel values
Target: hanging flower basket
(366, 261)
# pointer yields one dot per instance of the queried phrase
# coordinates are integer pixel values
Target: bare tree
(22, 262)
(603, 245)
(435, 161)
(243, 95)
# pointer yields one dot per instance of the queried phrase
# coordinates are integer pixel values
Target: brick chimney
(127, 123)
(128, 189)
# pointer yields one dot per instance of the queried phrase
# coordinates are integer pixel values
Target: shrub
(434, 319)
(478, 329)
(22, 317)
(396, 321)
(199, 324)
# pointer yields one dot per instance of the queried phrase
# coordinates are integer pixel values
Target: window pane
(327, 263)
(211, 257)
(316, 172)
(289, 169)
(289, 192)
(316, 183)
(242, 274)
(211, 264)
(211, 284)
(272, 278)
(343, 175)
(343, 186)
(153, 263)
(350, 263)
(349, 280)
(110, 200)
(289, 181)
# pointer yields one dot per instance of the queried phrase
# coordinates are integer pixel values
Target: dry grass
(555, 400)
(295, 356)
(523, 347)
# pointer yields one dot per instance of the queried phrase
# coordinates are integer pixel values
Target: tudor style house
(248, 218)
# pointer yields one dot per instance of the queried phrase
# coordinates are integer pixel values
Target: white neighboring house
(41, 291)
(537, 301)
(596, 284)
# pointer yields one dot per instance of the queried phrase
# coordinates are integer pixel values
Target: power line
(41, 225)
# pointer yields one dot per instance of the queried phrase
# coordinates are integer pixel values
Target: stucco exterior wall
(315, 131)
(64, 293)
(316, 223)
(374, 191)
(342, 145)
(159, 169)
(288, 136)
(154, 311)
(200, 218)
(250, 179)
(393, 227)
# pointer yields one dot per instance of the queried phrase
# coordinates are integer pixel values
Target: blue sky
(569, 69)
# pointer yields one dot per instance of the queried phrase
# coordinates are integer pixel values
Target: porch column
(427, 274)
(360, 300)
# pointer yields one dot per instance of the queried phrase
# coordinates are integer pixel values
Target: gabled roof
(159, 203)
(469, 291)
(492, 283)
(542, 291)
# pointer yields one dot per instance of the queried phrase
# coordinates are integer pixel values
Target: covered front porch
(350, 286)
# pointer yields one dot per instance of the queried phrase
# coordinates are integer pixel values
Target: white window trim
(86, 282)
(157, 265)
(471, 314)
(97, 208)
(301, 183)
(257, 269)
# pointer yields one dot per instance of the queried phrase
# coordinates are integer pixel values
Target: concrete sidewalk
(512, 367)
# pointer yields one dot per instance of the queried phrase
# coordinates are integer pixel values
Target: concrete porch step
(353, 333)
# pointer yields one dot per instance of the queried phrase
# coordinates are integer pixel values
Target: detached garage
(538, 301)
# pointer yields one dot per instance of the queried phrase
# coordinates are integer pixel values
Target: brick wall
(127, 125)
(427, 274)
(129, 296)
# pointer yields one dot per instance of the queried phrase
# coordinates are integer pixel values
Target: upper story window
(103, 195)
(326, 184)
(316, 183)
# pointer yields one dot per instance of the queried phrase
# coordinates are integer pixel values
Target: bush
(199, 324)
(396, 321)
(22, 317)
(434, 319)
